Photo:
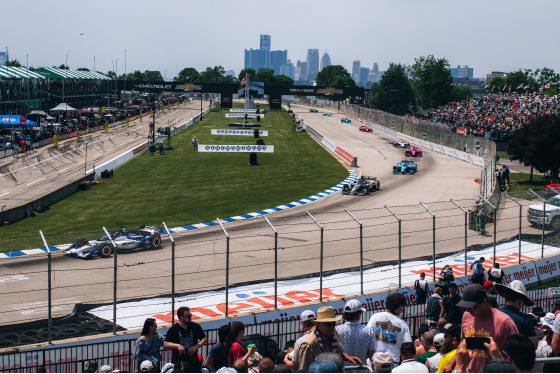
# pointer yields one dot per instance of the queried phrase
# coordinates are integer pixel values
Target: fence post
(361, 251)
(114, 281)
(400, 244)
(543, 219)
(227, 266)
(495, 222)
(172, 273)
(434, 238)
(49, 287)
(321, 258)
(275, 263)
(466, 230)
(520, 221)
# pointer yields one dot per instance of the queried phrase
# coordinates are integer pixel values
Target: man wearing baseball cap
(408, 363)
(357, 339)
(515, 297)
(483, 321)
(306, 318)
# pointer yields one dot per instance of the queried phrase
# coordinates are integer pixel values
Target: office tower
(375, 68)
(325, 61)
(301, 70)
(265, 42)
(364, 75)
(462, 72)
(288, 70)
(3, 58)
(312, 64)
(356, 70)
(256, 59)
(277, 60)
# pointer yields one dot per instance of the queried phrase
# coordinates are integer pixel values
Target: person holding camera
(185, 338)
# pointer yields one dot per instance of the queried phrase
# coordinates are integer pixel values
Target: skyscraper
(312, 64)
(256, 59)
(356, 70)
(3, 58)
(265, 42)
(301, 71)
(325, 61)
(277, 60)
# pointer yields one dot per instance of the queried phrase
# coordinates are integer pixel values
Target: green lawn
(520, 184)
(185, 187)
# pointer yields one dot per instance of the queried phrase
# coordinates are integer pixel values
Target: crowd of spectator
(462, 333)
(501, 113)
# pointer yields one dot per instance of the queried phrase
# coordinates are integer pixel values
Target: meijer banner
(238, 132)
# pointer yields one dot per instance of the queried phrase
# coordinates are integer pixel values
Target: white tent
(63, 107)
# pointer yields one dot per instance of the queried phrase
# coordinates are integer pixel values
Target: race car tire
(81, 242)
(105, 250)
(406, 170)
(395, 170)
(155, 241)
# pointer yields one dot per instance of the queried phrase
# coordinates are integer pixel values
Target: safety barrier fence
(269, 338)
(260, 264)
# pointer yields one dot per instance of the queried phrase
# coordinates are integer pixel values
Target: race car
(313, 110)
(399, 143)
(363, 186)
(413, 151)
(146, 237)
(365, 129)
(345, 120)
(405, 167)
(327, 114)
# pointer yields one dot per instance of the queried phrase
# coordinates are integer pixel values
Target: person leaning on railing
(148, 344)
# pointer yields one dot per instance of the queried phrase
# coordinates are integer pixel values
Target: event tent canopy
(70, 74)
(11, 120)
(15, 72)
(62, 107)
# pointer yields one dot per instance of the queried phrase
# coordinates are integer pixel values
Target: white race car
(399, 143)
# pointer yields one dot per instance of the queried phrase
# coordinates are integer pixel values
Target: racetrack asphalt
(201, 254)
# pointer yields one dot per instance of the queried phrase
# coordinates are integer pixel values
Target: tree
(111, 74)
(393, 93)
(212, 75)
(335, 76)
(264, 75)
(13, 63)
(431, 79)
(83, 69)
(190, 75)
(283, 80)
(459, 93)
(537, 144)
(248, 71)
(64, 67)
(153, 76)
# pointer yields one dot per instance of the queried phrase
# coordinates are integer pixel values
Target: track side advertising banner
(241, 115)
(238, 132)
(236, 148)
(238, 110)
(345, 155)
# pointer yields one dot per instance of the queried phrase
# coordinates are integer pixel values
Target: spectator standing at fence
(446, 277)
(185, 338)
(515, 297)
(478, 270)
(357, 339)
(492, 299)
(217, 356)
(449, 309)
(505, 174)
(433, 307)
(389, 329)
(323, 339)
(234, 349)
(496, 274)
(306, 319)
(483, 321)
(148, 344)
(421, 287)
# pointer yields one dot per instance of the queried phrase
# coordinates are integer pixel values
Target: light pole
(85, 160)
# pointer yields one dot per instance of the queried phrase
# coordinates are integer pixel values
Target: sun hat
(517, 287)
(327, 314)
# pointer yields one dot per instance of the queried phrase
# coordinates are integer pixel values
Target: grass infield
(186, 187)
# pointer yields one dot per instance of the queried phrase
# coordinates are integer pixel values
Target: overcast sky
(165, 35)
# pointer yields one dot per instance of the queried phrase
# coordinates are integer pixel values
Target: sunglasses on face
(187, 315)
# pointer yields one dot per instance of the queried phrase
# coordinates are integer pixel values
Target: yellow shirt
(445, 360)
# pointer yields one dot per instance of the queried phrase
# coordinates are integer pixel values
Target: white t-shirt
(434, 362)
(390, 332)
(410, 366)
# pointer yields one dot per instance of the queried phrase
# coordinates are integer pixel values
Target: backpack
(446, 275)
(420, 292)
(475, 267)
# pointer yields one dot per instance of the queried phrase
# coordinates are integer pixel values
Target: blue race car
(327, 114)
(146, 237)
(345, 120)
(405, 167)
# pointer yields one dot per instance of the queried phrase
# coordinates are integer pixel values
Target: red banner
(461, 131)
(22, 120)
(345, 155)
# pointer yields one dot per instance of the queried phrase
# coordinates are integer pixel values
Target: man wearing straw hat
(323, 339)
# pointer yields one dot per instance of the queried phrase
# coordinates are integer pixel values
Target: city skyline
(170, 35)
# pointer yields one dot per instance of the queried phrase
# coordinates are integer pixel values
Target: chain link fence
(47, 296)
